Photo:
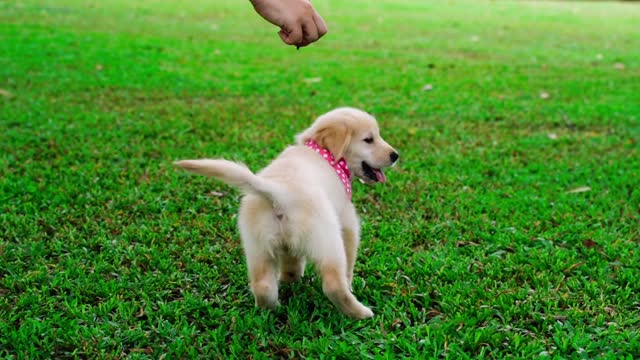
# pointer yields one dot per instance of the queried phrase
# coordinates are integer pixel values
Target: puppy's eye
(369, 140)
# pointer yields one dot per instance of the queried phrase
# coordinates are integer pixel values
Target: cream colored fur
(296, 209)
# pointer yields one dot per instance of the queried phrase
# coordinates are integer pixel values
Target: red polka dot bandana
(341, 168)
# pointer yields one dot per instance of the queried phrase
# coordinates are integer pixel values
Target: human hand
(299, 23)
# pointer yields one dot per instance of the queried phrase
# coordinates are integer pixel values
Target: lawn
(509, 229)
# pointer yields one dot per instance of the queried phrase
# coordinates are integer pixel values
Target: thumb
(293, 37)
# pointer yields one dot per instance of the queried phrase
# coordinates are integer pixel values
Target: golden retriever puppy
(299, 207)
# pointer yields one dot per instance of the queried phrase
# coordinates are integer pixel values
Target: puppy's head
(353, 134)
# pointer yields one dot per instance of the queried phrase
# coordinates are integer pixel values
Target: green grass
(475, 248)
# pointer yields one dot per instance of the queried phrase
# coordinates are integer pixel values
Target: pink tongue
(380, 175)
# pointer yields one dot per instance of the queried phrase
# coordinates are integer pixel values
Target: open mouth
(374, 174)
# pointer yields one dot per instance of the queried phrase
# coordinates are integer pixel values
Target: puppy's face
(353, 134)
(367, 153)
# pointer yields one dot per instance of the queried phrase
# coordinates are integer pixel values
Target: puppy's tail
(234, 174)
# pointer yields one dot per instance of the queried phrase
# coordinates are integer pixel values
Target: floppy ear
(333, 137)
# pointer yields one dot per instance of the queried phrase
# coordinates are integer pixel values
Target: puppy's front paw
(290, 276)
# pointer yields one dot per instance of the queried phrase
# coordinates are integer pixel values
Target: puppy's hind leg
(330, 258)
(258, 232)
(263, 280)
(351, 239)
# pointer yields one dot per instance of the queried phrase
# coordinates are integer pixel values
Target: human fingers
(292, 35)
(320, 24)
(309, 31)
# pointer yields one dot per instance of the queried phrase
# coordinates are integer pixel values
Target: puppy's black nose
(394, 156)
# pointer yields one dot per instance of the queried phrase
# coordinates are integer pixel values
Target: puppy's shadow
(298, 292)
(304, 301)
